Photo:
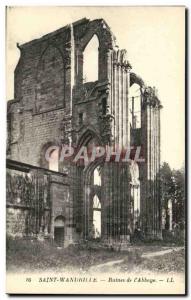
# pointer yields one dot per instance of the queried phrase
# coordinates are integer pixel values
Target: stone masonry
(53, 105)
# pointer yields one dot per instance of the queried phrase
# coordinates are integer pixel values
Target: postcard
(95, 166)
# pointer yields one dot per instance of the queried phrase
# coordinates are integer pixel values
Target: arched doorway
(93, 201)
(59, 231)
(91, 185)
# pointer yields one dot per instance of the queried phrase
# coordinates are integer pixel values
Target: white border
(3, 102)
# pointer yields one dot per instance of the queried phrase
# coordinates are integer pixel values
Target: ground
(36, 256)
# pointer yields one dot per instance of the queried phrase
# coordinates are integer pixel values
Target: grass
(168, 263)
(24, 255)
(173, 262)
(36, 256)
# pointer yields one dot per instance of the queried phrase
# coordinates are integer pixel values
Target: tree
(179, 196)
(173, 188)
(167, 184)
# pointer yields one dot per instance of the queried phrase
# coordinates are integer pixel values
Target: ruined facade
(53, 105)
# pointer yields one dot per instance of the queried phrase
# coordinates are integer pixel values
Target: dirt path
(162, 252)
(101, 267)
(108, 264)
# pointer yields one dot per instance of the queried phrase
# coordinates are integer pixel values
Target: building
(55, 105)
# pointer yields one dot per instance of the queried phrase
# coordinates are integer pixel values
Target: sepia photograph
(95, 150)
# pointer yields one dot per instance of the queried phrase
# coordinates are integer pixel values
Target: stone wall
(35, 197)
(54, 106)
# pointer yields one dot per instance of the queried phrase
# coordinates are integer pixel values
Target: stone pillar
(115, 100)
(124, 112)
(127, 105)
(150, 192)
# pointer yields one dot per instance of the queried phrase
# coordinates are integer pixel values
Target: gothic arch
(86, 136)
(59, 221)
(50, 80)
(90, 192)
(106, 44)
(102, 30)
(91, 167)
(84, 140)
(51, 144)
(134, 78)
(50, 45)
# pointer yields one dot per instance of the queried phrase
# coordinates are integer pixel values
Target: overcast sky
(153, 38)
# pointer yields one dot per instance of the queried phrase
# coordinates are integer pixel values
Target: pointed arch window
(90, 66)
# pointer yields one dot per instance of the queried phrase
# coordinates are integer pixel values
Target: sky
(154, 39)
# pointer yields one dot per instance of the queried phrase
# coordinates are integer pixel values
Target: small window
(53, 160)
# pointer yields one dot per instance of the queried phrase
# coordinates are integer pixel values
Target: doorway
(59, 236)
(59, 231)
